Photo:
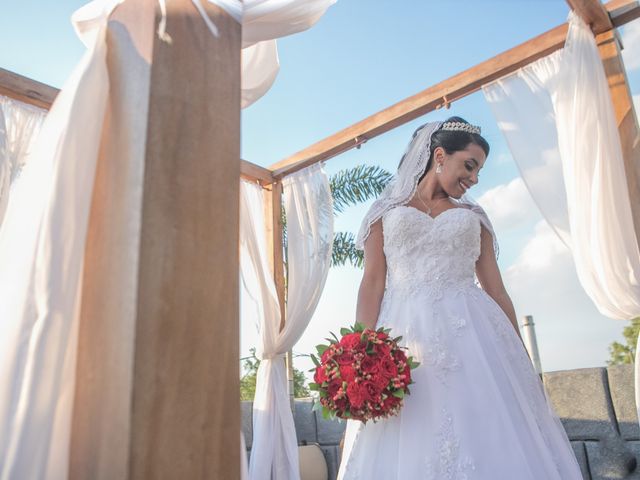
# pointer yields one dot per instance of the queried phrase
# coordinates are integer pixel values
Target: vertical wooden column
(274, 232)
(186, 398)
(163, 390)
(626, 118)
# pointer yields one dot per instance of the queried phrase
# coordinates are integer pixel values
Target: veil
(402, 186)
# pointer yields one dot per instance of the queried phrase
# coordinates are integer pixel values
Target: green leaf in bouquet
(397, 339)
(346, 414)
(398, 394)
(345, 331)
(314, 386)
(358, 327)
(315, 361)
(322, 393)
(321, 349)
(326, 412)
(335, 338)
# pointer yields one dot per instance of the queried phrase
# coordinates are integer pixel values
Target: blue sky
(361, 57)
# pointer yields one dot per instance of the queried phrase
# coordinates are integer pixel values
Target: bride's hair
(451, 141)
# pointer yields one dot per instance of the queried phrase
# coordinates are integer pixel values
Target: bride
(477, 409)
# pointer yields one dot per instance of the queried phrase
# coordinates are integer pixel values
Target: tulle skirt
(477, 409)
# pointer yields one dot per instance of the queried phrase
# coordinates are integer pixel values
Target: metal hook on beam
(359, 141)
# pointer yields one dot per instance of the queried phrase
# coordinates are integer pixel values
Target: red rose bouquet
(363, 376)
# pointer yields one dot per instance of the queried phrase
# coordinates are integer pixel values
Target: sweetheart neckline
(429, 216)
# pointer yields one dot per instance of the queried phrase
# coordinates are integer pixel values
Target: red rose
(380, 380)
(390, 402)
(351, 341)
(382, 349)
(388, 367)
(333, 388)
(345, 358)
(405, 376)
(327, 355)
(342, 404)
(347, 373)
(356, 393)
(321, 375)
(369, 364)
(372, 391)
(399, 356)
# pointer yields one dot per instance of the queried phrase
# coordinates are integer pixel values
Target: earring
(439, 168)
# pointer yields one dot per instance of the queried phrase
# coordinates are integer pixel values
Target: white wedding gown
(477, 409)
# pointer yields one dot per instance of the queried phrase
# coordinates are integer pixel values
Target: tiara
(460, 126)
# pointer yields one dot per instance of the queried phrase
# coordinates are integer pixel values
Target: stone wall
(596, 406)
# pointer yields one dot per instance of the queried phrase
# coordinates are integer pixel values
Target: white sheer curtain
(19, 126)
(560, 125)
(559, 122)
(41, 253)
(309, 211)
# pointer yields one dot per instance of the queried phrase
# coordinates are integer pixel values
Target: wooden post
(274, 227)
(626, 118)
(159, 397)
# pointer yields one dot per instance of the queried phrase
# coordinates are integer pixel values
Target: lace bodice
(427, 255)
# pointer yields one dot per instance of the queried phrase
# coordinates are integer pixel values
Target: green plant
(621, 354)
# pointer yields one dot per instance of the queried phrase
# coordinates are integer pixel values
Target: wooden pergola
(157, 452)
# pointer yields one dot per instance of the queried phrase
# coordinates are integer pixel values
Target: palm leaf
(358, 184)
(344, 250)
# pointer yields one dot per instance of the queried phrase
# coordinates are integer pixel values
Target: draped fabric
(262, 22)
(560, 125)
(559, 122)
(97, 121)
(41, 253)
(19, 125)
(309, 213)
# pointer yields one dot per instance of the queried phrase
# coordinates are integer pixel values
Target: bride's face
(460, 169)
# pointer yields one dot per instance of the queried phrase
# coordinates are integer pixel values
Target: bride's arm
(489, 276)
(373, 279)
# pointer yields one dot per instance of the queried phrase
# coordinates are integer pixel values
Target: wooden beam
(593, 13)
(251, 171)
(26, 90)
(439, 95)
(626, 118)
(42, 95)
(622, 11)
(274, 231)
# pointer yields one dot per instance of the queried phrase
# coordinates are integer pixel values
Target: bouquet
(363, 376)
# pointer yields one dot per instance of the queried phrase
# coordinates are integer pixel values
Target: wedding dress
(477, 409)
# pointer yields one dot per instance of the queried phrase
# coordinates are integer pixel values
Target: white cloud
(541, 251)
(631, 44)
(509, 205)
(542, 282)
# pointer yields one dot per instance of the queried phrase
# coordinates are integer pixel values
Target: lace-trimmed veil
(403, 186)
